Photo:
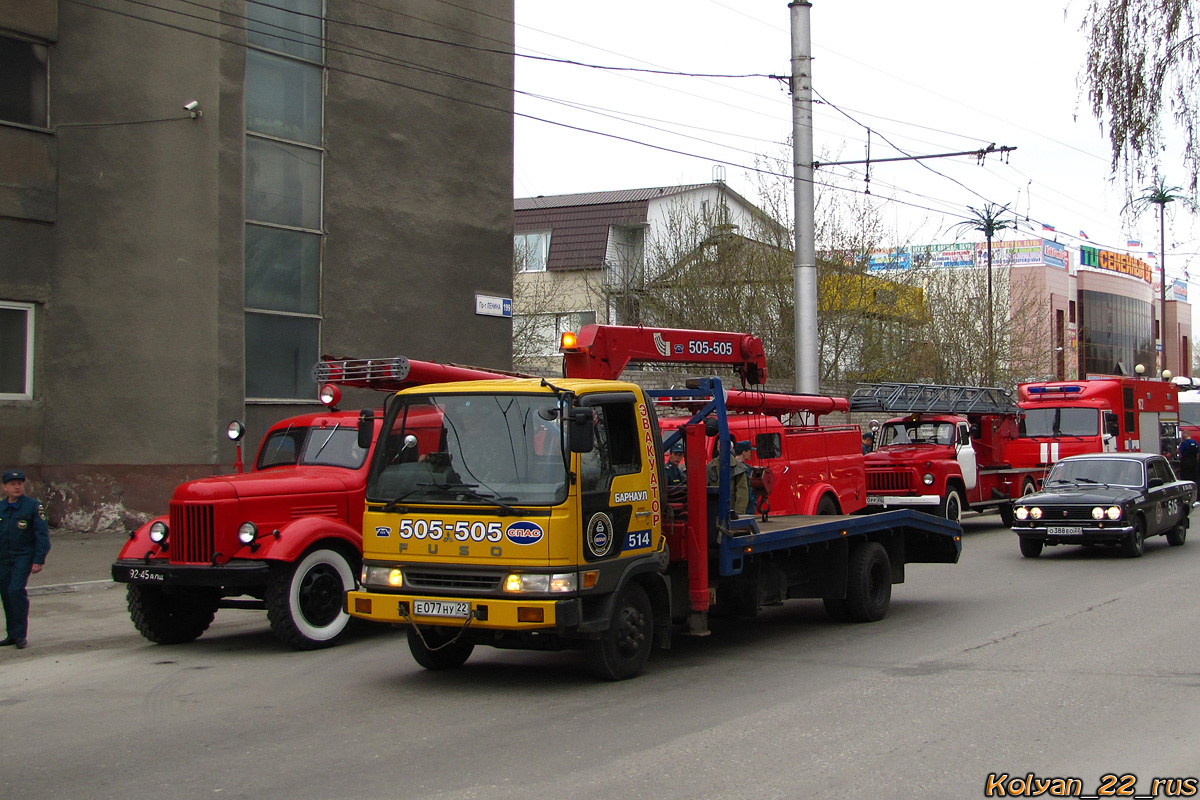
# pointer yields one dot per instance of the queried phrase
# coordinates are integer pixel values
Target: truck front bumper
(902, 501)
(486, 613)
(158, 572)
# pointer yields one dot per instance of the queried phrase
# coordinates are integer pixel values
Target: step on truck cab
(284, 535)
(950, 452)
(540, 522)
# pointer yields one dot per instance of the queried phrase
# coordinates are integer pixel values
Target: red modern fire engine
(951, 451)
(1100, 414)
(285, 535)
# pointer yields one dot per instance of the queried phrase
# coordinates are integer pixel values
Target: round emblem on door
(600, 535)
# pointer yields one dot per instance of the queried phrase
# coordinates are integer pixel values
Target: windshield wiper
(1083, 479)
(317, 454)
(467, 490)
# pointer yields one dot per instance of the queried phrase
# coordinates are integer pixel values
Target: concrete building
(195, 204)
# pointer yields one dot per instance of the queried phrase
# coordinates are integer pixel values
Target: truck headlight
(382, 576)
(518, 582)
(1021, 513)
(1113, 512)
(927, 479)
(247, 532)
(1035, 513)
(158, 532)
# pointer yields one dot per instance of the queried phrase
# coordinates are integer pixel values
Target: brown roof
(579, 223)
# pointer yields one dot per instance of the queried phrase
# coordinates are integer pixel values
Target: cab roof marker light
(569, 342)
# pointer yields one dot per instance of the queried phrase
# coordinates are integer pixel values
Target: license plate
(874, 500)
(140, 574)
(459, 609)
(1065, 531)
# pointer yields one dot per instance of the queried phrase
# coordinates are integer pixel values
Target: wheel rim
(630, 632)
(953, 508)
(320, 595)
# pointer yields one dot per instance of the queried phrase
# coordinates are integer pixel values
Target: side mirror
(366, 428)
(581, 435)
(1156, 482)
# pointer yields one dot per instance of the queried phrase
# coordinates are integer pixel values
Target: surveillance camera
(191, 105)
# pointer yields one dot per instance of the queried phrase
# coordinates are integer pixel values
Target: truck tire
(827, 507)
(1006, 510)
(170, 617)
(1135, 543)
(305, 599)
(868, 582)
(435, 648)
(1031, 548)
(836, 609)
(622, 649)
(952, 505)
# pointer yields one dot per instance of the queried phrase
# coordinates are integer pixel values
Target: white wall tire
(305, 600)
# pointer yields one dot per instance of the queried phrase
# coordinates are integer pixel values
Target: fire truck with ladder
(1099, 414)
(951, 450)
(531, 514)
(284, 536)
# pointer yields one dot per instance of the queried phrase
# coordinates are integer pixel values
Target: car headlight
(247, 532)
(1113, 512)
(382, 576)
(1097, 513)
(1035, 513)
(927, 478)
(533, 582)
(1022, 512)
(158, 532)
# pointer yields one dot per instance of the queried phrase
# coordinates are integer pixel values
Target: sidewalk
(78, 562)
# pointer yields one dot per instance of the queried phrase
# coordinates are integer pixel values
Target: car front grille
(437, 579)
(192, 533)
(887, 481)
(1054, 515)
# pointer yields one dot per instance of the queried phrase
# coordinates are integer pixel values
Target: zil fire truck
(950, 451)
(531, 514)
(1100, 414)
(285, 535)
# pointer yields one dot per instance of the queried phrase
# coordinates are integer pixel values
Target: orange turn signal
(525, 614)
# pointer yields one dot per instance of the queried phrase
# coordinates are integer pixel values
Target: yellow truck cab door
(620, 511)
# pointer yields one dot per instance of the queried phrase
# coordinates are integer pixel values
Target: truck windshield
(916, 433)
(1189, 413)
(1110, 471)
(1059, 421)
(331, 447)
(471, 449)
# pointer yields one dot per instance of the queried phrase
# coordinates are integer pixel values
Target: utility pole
(808, 375)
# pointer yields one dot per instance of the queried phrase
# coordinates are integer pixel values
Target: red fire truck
(542, 523)
(286, 535)
(1100, 414)
(951, 451)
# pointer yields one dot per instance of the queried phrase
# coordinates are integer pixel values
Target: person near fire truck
(24, 543)
(1189, 456)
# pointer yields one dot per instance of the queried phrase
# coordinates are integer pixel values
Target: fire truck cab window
(1055, 421)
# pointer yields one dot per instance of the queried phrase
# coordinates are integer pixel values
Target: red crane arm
(603, 351)
(394, 374)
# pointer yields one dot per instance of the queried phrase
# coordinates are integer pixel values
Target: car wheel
(1031, 548)
(436, 648)
(952, 506)
(1135, 543)
(306, 600)
(1178, 535)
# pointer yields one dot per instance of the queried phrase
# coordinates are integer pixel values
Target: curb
(63, 588)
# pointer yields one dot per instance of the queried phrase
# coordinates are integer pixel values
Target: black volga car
(1105, 498)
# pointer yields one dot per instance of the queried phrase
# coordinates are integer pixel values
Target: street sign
(490, 306)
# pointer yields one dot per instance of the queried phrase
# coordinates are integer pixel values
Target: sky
(926, 77)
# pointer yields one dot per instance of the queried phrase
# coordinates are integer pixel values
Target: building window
(531, 251)
(16, 351)
(23, 88)
(546, 330)
(284, 196)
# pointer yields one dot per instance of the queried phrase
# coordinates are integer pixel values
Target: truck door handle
(641, 513)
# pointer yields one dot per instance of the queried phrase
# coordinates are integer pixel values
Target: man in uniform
(24, 543)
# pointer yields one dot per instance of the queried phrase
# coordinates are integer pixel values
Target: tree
(1159, 194)
(540, 299)
(1141, 72)
(989, 221)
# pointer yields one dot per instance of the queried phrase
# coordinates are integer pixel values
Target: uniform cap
(742, 447)
(13, 475)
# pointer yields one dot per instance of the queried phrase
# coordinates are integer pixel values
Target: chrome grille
(1053, 515)
(430, 579)
(887, 481)
(192, 533)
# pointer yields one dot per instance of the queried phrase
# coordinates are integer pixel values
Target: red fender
(812, 498)
(300, 535)
(139, 544)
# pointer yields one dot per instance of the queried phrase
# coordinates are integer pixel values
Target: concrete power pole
(808, 375)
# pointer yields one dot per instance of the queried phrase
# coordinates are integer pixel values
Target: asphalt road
(1076, 664)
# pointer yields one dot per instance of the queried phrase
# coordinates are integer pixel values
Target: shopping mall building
(1104, 306)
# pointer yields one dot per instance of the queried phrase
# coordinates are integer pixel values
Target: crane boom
(603, 351)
